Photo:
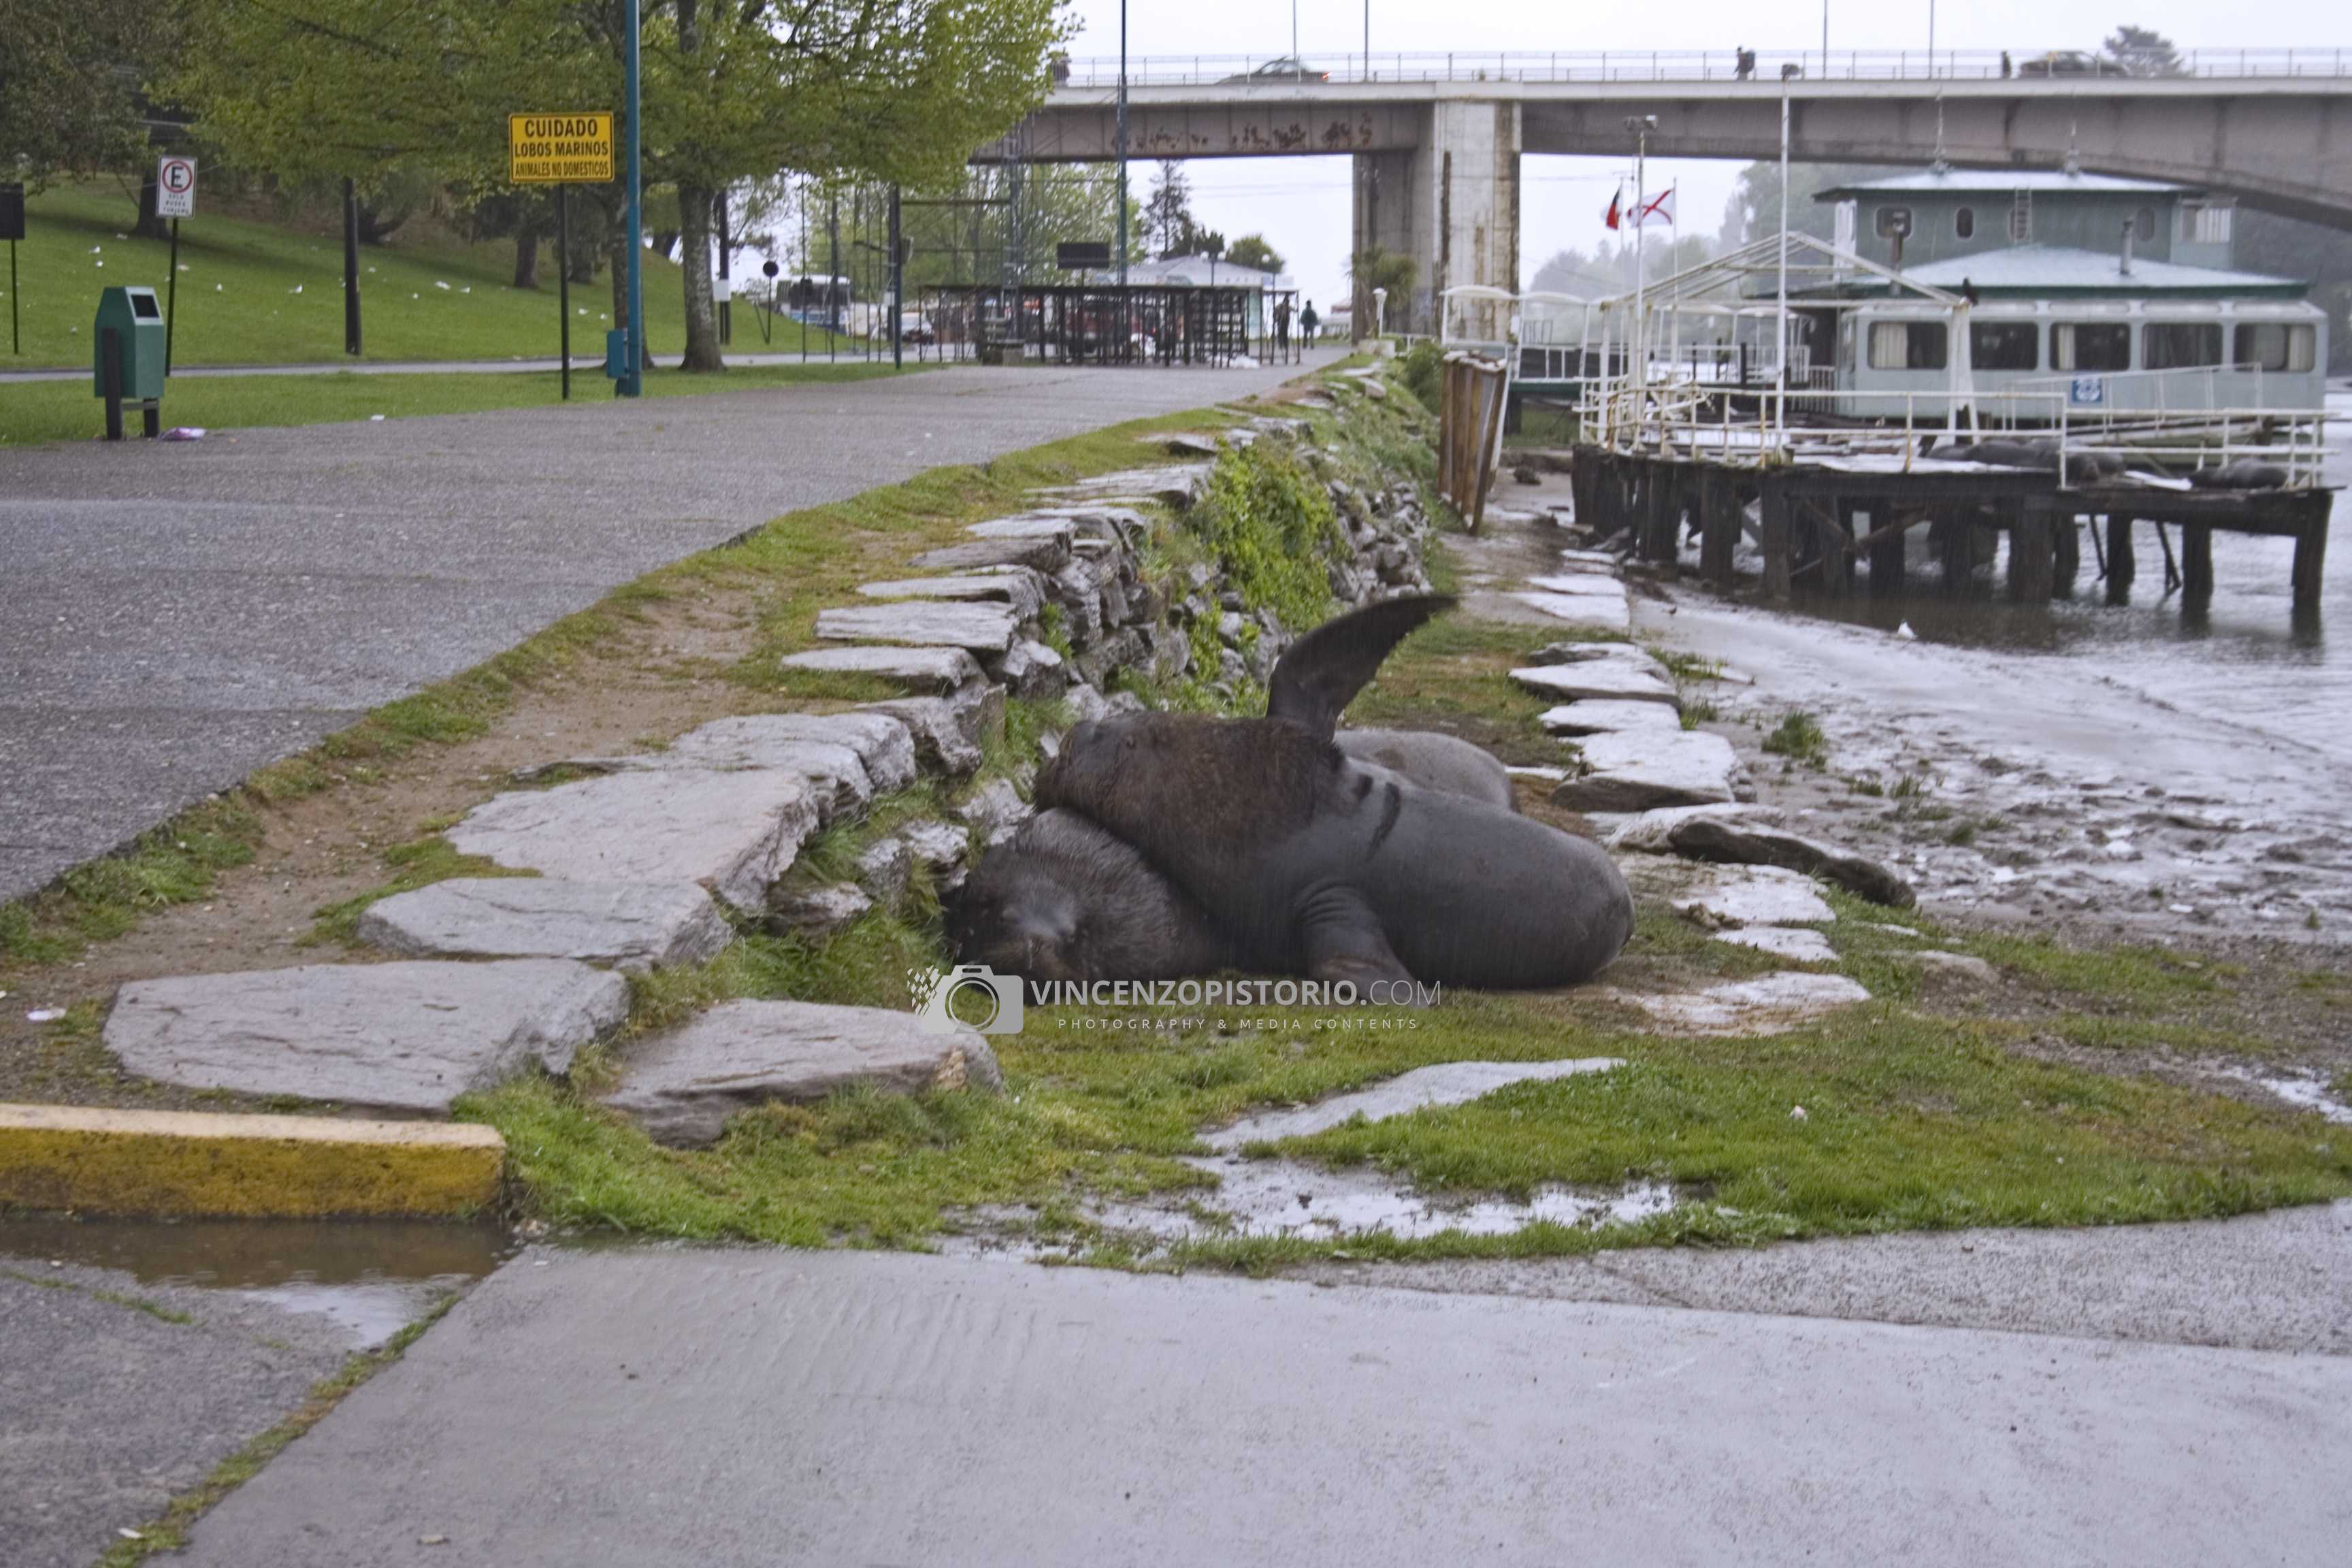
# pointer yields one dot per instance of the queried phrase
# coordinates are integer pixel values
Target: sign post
(560, 150)
(11, 229)
(176, 198)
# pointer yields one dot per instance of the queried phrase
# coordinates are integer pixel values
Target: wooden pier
(1822, 526)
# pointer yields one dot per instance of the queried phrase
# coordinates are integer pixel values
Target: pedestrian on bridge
(1744, 60)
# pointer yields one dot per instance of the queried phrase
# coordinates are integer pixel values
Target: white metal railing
(2058, 67)
(1752, 426)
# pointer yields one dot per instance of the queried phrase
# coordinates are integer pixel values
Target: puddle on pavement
(370, 1278)
(1291, 1197)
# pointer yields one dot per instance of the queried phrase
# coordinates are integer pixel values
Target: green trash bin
(134, 314)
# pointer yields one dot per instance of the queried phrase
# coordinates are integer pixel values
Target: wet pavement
(136, 1356)
(180, 615)
(718, 1407)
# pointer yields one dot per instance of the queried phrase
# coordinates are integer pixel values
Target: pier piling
(2121, 567)
(2196, 561)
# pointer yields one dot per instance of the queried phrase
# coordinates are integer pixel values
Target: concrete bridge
(1437, 139)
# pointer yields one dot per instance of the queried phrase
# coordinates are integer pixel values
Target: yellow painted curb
(199, 1163)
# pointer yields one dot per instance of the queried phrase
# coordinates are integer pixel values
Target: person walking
(1308, 321)
(1745, 60)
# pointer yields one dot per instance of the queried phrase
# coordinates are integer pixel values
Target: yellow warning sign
(559, 149)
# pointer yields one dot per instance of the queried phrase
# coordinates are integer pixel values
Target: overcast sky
(1301, 205)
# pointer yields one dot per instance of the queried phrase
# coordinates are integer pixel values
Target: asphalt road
(176, 616)
(662, 1404)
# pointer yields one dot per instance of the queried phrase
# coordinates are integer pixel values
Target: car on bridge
(2062, 62)
(1285, 67)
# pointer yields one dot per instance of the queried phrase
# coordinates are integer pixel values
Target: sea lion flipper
(1320, 675)
(1342, 937)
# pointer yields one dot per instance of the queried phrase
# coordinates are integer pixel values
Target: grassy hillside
(254, 293)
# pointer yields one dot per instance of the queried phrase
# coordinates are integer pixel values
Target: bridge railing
(1278, 73)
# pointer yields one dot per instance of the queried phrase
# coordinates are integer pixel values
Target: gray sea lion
(1444, 762)
(1315, 863)
(1063, 900)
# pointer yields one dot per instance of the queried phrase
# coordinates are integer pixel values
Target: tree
(1168, 214)
(73, 103)
(1252, 251)
(2142, 51)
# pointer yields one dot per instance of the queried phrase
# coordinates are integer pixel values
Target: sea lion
(1063, 900)
(1315, 863)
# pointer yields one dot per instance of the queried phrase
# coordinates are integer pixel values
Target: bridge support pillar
(1451, 205)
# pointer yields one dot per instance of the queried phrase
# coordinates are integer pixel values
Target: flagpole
(1780, 312)
(1640, 265)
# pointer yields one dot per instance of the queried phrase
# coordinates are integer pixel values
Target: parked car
(2060, 62)
(1288, 67)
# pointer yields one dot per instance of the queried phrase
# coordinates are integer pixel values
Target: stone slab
(1724, 896)
(1652, 832)
(1447, 1083)
(977, 627)
(1048, 554)
(189, 1162)
(1590, 585)
(1601, 558)
(1598, 679)
(1798, 944)
(635, 926)
(928, 669)
(1768, 1004)
(682, 1087)
(946, 730)
(1582, 609)
(1019, 587)
(1757, 844)
(883, 745)
(1621, 653)
(732, 832)
(836, 769)
(1610, 716)
(1028, 526)
(408, 1037)
(1638, 772)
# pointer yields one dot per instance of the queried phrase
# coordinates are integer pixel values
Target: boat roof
(2066, 270)
(1962, 180)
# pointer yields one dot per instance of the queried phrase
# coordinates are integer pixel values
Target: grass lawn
(258, 293)
(33, 412)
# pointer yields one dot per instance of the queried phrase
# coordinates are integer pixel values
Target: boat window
(2005, 345)
(2205, 223)
(1894, 223)
(2144, 225)
(2090, 345)
(1908, 345)
(2177, 345)
(1963, 222)
(2274, 346)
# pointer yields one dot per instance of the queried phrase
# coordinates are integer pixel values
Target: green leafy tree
(1252, 251)
(2142, 51)
(73, 101)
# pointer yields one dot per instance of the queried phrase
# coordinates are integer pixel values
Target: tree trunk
(526, 238)
(694, 204)
(149, 227)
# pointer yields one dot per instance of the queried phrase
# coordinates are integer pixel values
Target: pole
(1122, 163)
(1931, 37)
(1641, 262)
(171, 296)
(1825, 40)
(833, 274)
(350, 271)
(15, 342)
(1296, 64)
(726, 272)
(563, 283)
(632, 380)
(1780, 309)
(1368, 40)
(897, 290)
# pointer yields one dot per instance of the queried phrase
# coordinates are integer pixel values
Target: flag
(1616, 208)
(1663, 208)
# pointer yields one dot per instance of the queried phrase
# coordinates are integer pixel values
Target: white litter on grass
(375, 419)
(45, 1014)
(439, 284)
(296, 289)
(184, 433)
(1905, 634)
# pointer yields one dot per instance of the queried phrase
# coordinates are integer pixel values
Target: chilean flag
(1616, 208)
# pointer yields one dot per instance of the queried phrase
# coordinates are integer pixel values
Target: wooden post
(2197, 560)
(2311, 550)
(2029, 553)
(1657, 511)
(1957, 549)
(2121, 568)
(1886, 555)
(1776, 539)
(1718, 527)
(2066, 539)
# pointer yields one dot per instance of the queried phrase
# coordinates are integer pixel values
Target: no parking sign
(175, 187)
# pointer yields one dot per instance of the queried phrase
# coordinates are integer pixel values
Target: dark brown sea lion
(1315, 863)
